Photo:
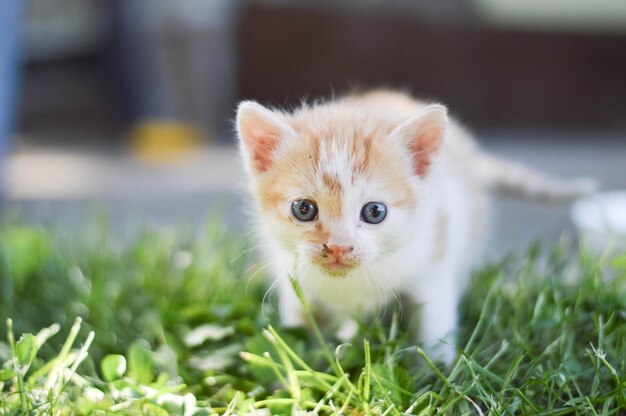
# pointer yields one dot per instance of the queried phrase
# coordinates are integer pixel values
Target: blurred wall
(491, 76)
(95, 68)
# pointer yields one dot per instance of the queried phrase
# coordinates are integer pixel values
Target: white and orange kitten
(371, 195)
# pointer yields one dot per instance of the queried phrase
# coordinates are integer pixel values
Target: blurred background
(127, 105)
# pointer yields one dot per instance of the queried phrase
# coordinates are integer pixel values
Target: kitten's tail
(514, 178)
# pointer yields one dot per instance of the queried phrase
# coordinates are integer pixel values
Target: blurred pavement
(67, 188)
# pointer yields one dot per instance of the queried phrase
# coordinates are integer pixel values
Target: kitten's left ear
(422, 135)
(260, 131)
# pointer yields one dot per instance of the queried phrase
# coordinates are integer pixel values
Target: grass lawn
(172, 324)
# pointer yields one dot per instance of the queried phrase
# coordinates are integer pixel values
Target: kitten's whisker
(387, 279)
(381, 281)
(377, 286)
(382, 303)
(244, 251)
(299, 264)
(369, 285)
(269, 290)
(261, 266)
(260, 263)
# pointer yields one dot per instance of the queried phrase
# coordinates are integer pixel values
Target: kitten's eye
(304, 209)
(374, 212)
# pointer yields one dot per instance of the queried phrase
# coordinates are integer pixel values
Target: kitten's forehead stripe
(331, 204)
(361, 147)
(332, 183)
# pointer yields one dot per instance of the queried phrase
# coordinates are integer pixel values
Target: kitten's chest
(356, 294)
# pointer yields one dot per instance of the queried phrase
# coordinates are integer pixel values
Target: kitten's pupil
(374, 212)
(304, 209)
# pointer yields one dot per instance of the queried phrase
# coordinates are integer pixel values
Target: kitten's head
(337, 188)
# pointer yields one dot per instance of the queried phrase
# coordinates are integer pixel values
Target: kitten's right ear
(260, 131)
(422, 136)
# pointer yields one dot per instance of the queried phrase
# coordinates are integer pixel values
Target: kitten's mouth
(337, 268)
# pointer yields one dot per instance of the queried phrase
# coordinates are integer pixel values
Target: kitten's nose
(337, 251)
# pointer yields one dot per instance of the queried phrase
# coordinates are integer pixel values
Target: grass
(171, 324)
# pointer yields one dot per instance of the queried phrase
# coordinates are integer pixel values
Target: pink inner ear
(423, 146)
(260, 136)
(424, 139)
(263, 148)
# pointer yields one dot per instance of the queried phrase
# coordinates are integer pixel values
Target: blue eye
(304, 209)
(374, 212)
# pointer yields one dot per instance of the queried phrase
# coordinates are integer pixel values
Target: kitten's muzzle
(335, 258)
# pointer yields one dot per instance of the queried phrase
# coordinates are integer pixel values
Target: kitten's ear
(260, 131)
(422, 135)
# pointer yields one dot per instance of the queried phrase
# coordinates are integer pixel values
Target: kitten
(370, 195)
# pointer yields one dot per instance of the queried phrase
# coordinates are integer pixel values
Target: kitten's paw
(291, 315)
(442, 352)
(292, 319)
(348, 330)
(447, 353)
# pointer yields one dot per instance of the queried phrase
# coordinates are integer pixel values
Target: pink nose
(337, 251)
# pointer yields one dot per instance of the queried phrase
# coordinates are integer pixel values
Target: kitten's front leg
(347, 330)
(439, 298)
(291, 313)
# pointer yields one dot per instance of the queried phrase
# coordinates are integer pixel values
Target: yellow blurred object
(158, 141)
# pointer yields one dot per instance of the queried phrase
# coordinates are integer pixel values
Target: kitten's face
(335, 192)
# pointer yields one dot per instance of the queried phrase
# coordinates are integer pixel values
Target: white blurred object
(63, 28)
(567, 15)
(601, 221)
